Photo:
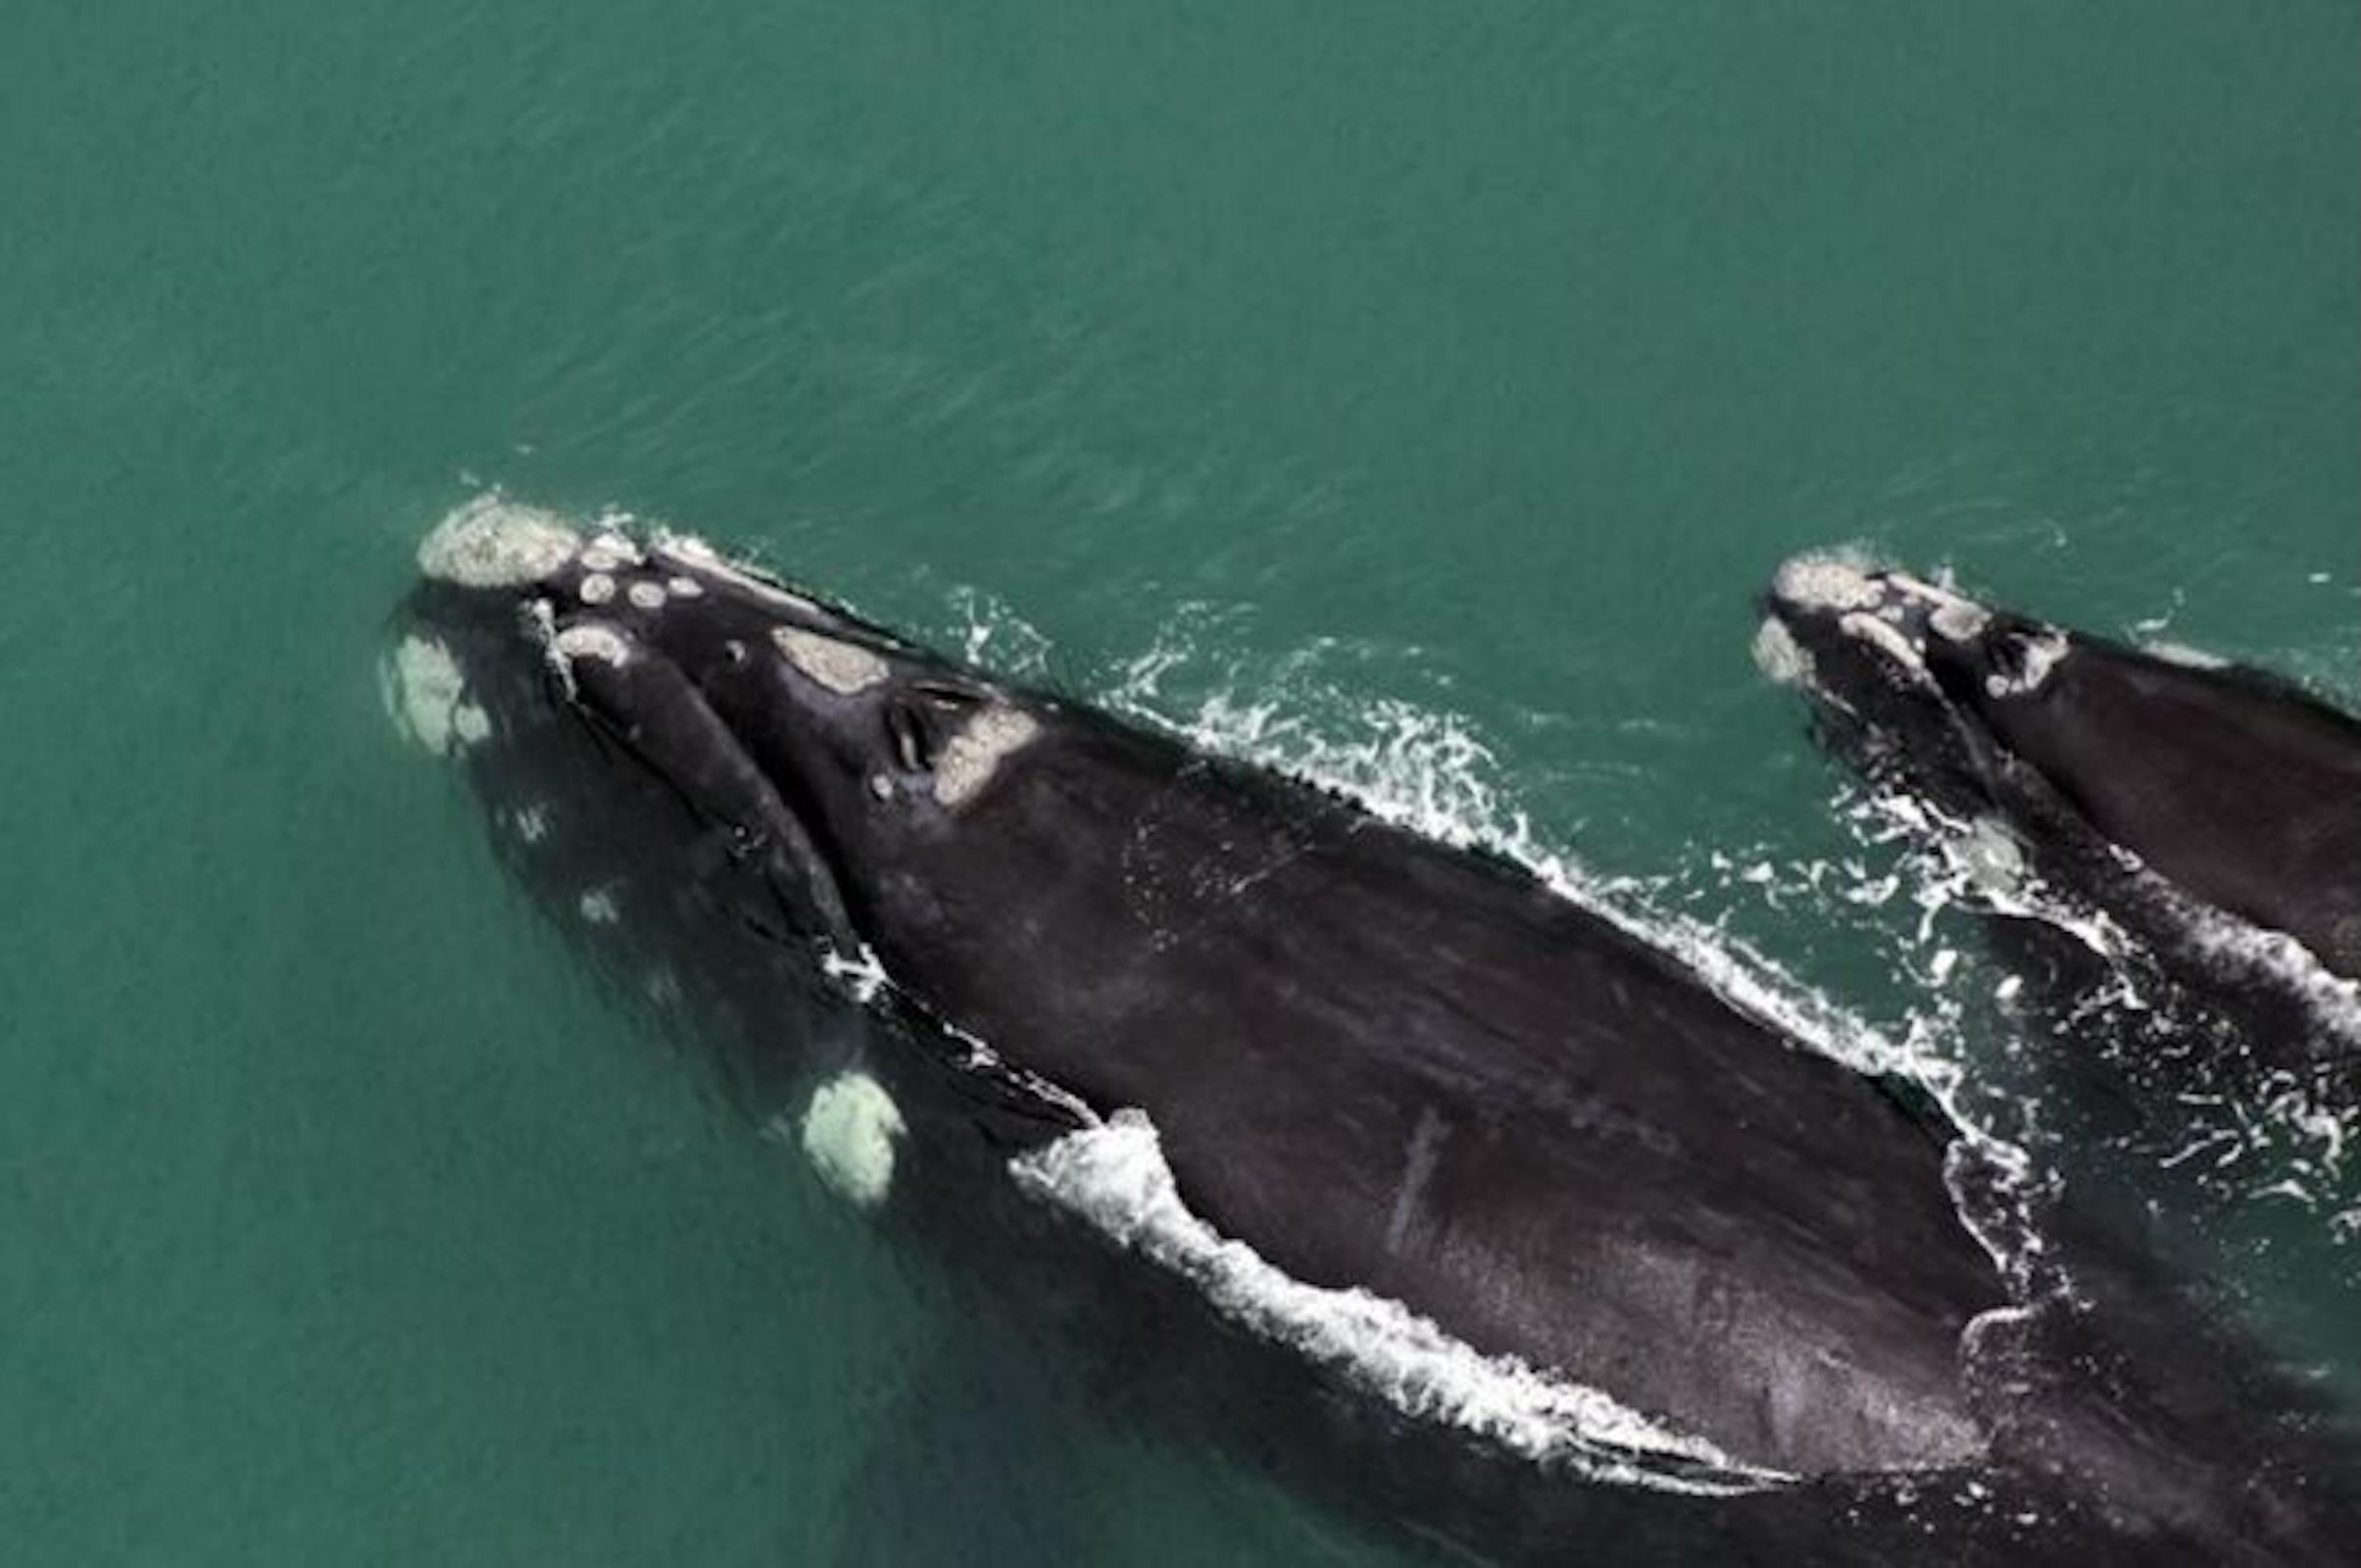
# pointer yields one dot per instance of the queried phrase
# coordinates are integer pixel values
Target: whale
(1489, 1162)
(2210, 812)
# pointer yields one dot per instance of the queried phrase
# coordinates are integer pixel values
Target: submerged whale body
(2211, 810)
(1388, 1103)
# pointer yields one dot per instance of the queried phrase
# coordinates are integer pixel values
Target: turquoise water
(1440, 377)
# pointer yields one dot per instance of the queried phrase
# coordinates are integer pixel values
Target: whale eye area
(916, 724)
(946, 695)
(911, 732)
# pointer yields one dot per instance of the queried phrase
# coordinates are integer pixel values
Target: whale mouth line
(796, 832)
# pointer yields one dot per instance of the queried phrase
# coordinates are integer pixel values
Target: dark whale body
(2212, 811)
(1384, 1064)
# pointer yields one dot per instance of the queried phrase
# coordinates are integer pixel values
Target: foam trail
(1113, 1176)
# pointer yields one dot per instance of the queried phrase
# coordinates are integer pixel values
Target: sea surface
(1411, 394)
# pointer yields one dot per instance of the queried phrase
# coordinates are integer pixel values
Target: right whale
(1576, 1255)
(2209, 812)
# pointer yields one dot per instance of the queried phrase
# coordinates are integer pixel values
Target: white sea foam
(1113, 1176)
(2183, 655)
(1430, 773)
(2286, 1138)
(2239, 946)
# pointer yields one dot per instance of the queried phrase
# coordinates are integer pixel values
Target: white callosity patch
(848, 1132)
(685, 587)
(2043, 654)
(492, 543)
(598, 907)
(1959, 621)
(1430, 774)
(1890, 640)
(845, 668)
(1955, 619)
(597, 587)
(1113, 1176)
(602, 643)
(426, 695)
(976, 752)
(647, 595)
(1778, 656)
(621, 543)
(688, 547)
(1812, 582)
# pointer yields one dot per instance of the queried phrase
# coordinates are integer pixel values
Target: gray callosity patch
(602, 642)
(845, 668)
(1818, 583)
(494, 543)
(975, 754)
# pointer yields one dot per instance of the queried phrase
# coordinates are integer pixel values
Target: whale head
(724, 786)
(1921, 684)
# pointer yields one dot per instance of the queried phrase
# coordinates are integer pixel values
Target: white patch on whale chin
(597, 587)
(492, 542)
(845, 668)
(426, 694)
(1113, 1176)
(976, 752)
(848, 1132)
(1778, 656)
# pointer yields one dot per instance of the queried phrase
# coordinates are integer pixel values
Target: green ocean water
(1431, 386)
